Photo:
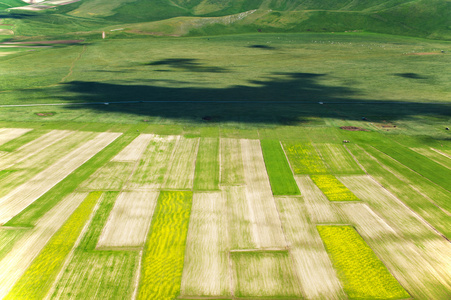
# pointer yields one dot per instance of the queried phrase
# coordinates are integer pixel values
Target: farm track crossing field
(225, 235)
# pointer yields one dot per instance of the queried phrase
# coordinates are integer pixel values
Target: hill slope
(423, 18)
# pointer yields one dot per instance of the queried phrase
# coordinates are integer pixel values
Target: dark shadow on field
(282, 98)
(411, 75)
(263, 47)
(188, 65)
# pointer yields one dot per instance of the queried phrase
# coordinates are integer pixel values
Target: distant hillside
(423, 18)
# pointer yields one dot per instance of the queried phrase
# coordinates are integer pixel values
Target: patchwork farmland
(139, 215)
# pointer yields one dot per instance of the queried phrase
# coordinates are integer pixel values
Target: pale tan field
(312, 265)
(180, 174)
(14, 264)
(416, 255)
(135, 149)
(8, 134)
(18, 199)
(129, 220)
(153, 166)
(263, 212)
(320, 210)
(232, 172)
(206, 267)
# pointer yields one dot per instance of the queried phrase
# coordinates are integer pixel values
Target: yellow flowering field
(333, 188)
(164, 253)
(304, 159)
(38, 278)
(363, 275)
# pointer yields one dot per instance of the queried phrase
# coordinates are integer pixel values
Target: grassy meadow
(262, 147)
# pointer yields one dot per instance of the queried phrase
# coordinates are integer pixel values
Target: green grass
(16, 143)
(363, 275)
(162, 262)
(279, 171)
(38, 278)
(338, 159)
(34, 211)
(110, 273)
(206, 175)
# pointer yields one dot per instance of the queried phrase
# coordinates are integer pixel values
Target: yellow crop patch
(304, 159)
(363, 275)
(333, 188)
(164, 254)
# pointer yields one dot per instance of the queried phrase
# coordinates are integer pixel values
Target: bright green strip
(279, 172)
(38, 278)
(333, 188)
(163, 257)
(304, 159)
(207, 165)
(363, 275)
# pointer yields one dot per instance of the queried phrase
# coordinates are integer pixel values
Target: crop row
(164, 253)
(363, 275)
(38, 278)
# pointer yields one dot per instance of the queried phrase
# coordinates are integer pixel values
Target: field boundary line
(402, 202)
(137, 277)
(439, 152)
(77, 242)
(71, 69)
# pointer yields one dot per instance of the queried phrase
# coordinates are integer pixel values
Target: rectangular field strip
(279, 171)
(232, 171)
(8, 134)
(363, 275)
(163, 257)
(207, 165)
(333, 188)
(38, 278)
(338, 159)
(304, 158)
(94, 274)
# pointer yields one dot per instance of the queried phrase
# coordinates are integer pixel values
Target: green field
(284, 149)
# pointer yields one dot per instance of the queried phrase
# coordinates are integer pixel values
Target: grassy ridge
(279, 171)
(163, 257)
(363, 275)
(38, 278)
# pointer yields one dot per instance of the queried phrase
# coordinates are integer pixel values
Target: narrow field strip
(206, 177)
(304, 158)
(22, 140)
(97, 274)
(317, 276)
(135, 149)
(279, 171)
(24, 195)
(8, 134)
(112, 176)
(206, 267)
(333, 188)
(241, 219)
(33, 147)
(129, 220)
(266, 224)
(163, 257)
(434, 155)
(264, 274)
(154, 163)
(422, 196)
(419, 256)
(38, 278)
(8, 237)
(337, 159)
(363, 275)
(180, 174)
(232, 172)
(24, 250)
(318, 206)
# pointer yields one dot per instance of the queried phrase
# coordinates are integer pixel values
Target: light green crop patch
(333, 188)
(304, 159)
(38, 278)
(363, 275)
(164, 253)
